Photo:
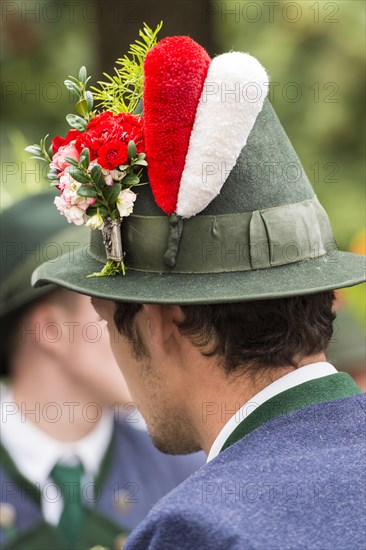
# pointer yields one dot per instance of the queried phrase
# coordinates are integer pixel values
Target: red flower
(132, 129)
(106, 128)
(100, 119)
(112, 154)
(59, 141)
(101, 129)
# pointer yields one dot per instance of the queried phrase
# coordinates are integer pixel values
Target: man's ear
(160, 326)
(43, 327)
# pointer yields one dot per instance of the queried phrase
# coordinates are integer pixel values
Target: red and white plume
(198, 115)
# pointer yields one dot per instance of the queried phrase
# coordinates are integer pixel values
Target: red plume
(174, 75)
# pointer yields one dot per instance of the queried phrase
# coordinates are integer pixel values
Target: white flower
(117, 175)
(95, 222)
(107, 177)
(125, 201)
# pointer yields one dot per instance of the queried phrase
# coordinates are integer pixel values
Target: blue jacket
(134, 476)
(291, 478)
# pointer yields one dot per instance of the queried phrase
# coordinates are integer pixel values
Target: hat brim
(340, 269)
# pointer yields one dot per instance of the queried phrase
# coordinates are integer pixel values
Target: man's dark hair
(260, 333)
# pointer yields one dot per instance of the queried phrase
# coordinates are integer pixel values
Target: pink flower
(70, 204)
(66, 181)
(58, 160)
(73, 214)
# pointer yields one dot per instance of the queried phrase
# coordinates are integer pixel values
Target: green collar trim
(32, 490)
(320, 390)
(98, 530)
(39, 536)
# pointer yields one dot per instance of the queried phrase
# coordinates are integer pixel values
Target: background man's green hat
(229, 214)
(32, 232)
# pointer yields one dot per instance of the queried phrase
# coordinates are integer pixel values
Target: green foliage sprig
(84, 108)
(85, 100)
(111, 268)
(122, 92)
(42, 151)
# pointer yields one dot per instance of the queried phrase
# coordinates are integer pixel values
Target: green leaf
(72, 161)
(77, 122)
(51, 175)
(84, 158)
(141, 162)
(76, 80)
(78, 174)
(50, 152)
(130, 179)
(82, 107)
(34, 150)
(40, 151)
(97, 176)
(40, 159)
(131, 149)
(89, 100)
(139, 108)
(87, 191)
(115, 214)
(111, 193)
(83, 75)
(73, 87)
(103, 211)
(92, 210)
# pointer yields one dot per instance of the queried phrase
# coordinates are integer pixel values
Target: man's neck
(57, 405)
(223, 397)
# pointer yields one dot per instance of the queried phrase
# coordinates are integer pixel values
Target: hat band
(228, 242)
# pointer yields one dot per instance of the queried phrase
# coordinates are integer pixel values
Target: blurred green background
(313, 51)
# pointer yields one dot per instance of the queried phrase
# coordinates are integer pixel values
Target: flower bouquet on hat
(101, 159)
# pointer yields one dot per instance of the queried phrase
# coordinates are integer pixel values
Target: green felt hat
(32, 232)
(264, 236)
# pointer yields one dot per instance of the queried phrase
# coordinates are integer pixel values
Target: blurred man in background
(78, 468)
(347, 348)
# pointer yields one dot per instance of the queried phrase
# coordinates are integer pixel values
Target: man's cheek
(118, 354)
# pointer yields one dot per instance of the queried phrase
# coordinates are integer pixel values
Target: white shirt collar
(35, 453)
(290, 380)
